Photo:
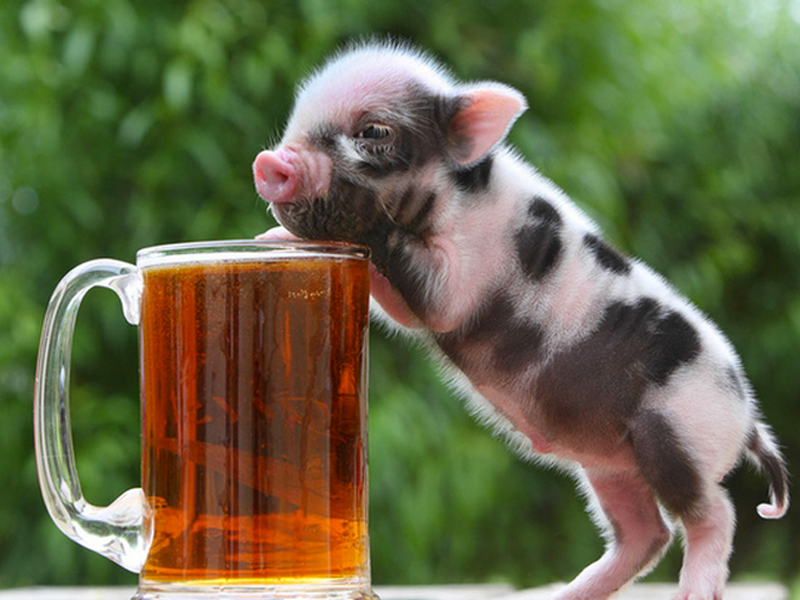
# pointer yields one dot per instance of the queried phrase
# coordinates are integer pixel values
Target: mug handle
(122, 530)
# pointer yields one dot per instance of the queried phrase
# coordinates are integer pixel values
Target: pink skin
(641, 535)
(460, 257)
(275, 177)
(291, 172)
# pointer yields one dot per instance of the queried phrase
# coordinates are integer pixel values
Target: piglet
(580, 356)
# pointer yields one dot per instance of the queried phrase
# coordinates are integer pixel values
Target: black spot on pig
(489, 323)
(675, 343)
(379, 163)
(664, 339)
(542, 211)
(324, 136)
(518, 347)
(606, 256)
(414, 208)
(512, 343)
(539, 242)
(474, 178)
(665, 464)
(494, 320)
(599, 382)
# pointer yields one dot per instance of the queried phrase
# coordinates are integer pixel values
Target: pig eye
(376, 132)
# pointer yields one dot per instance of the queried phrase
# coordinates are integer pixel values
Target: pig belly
(600, 449)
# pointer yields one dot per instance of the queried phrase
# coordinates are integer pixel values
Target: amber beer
(254, 424)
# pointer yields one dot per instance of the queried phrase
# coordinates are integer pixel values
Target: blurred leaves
(674, 123)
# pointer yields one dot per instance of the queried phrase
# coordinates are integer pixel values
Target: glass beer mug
(254, 420)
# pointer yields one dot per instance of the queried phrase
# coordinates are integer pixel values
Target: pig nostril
(272, 175)
(276, 179)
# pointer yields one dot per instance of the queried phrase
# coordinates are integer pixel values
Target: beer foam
(244, 251)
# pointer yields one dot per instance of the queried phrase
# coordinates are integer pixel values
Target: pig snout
(275, 176)
(285, 175)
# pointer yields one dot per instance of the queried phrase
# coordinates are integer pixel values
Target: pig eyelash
(374, 151)
(367, 148)
(376, 133)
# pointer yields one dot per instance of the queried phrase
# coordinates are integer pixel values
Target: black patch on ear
(606, 256)
(474, 178)
(665, 464)
(444, 109)
(539, 242)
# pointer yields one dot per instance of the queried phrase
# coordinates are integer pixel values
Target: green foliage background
(126, 123)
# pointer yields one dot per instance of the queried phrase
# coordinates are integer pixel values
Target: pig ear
(485, 114)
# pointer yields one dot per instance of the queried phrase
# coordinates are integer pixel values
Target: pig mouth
(311, 218)
(347, 213)
(326, 218)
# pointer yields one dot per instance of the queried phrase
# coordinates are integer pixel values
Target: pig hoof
(278, 234)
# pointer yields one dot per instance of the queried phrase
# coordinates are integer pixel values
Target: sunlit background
(127, 123)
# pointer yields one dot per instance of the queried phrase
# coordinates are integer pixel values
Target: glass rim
(246, 249)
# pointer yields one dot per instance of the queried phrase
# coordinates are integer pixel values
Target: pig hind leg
(708, 540)
(636, 530)
(692, 496)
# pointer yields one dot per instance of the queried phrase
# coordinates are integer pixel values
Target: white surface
(740, 591)
(654, 591)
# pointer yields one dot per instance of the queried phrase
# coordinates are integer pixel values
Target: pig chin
(325, 218)
(303, 219)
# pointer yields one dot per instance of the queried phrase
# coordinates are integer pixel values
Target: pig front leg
(637, 534)
(446, 276)
(428, 278)
(278, 234)
(390, 300)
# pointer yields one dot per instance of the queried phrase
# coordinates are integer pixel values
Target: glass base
(322, 590)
